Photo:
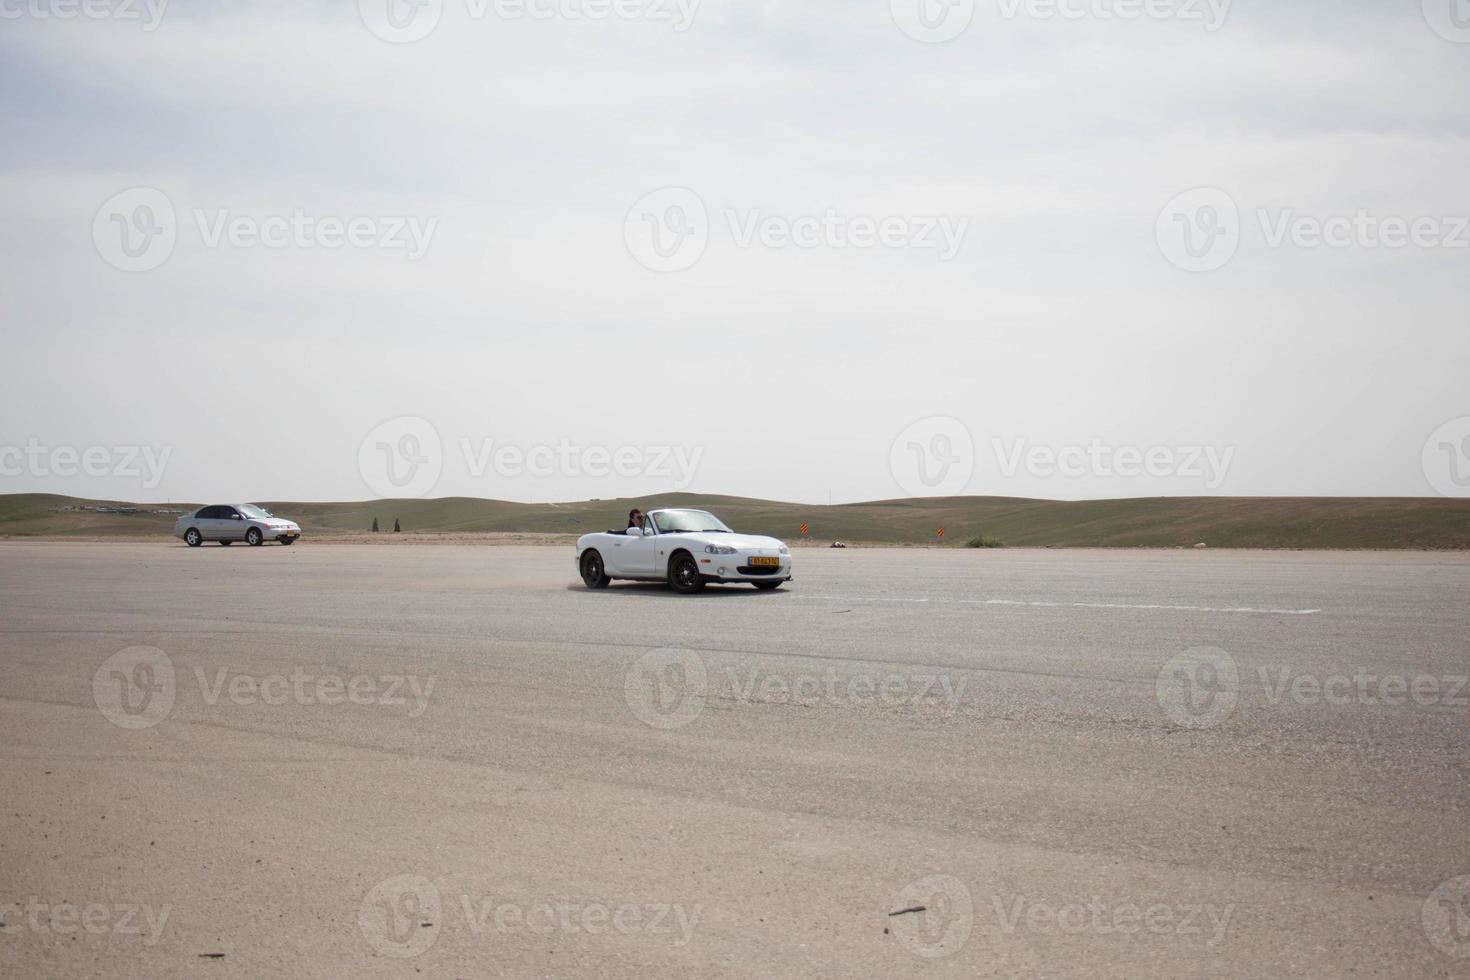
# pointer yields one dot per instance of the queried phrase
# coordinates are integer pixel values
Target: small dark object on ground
(916, 908)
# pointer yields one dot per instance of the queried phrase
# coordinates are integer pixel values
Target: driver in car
(635, 519)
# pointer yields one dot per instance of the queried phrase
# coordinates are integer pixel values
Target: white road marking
(1072, 605)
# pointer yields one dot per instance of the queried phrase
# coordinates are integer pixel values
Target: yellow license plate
(765, 562)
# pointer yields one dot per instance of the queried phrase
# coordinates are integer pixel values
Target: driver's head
(635, 516)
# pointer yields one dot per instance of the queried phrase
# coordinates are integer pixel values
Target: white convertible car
(686, 548)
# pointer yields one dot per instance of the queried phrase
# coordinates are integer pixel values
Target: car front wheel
(193, 538)
(684, 575)
(253, 537)
(593, 572)
(288, 541)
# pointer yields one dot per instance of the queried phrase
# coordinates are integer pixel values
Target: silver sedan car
(228, 523)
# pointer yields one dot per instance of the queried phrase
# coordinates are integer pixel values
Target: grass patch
(981, 541)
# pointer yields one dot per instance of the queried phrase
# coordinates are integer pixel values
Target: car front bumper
(737, 568)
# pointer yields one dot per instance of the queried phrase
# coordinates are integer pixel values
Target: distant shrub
(375, 525)
(981, 541)
(396, 528)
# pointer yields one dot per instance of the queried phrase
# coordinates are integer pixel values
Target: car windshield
(674, 521)
(255, 513)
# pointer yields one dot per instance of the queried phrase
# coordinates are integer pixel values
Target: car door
(633, 555)
(232, 524)
(208, 523)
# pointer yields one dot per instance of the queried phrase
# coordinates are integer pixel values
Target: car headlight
(718, 549)
(785, 550)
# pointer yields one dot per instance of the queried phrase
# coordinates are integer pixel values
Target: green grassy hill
(1160, 522)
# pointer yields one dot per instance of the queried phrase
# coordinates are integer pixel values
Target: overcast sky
(845, 250)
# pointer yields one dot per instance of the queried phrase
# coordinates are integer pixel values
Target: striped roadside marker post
(804, 527)
(940, 532)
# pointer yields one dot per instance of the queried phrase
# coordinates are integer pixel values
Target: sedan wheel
(592, 571)
(684, 575)
(193, 538)
(288, 541)
(253, 537)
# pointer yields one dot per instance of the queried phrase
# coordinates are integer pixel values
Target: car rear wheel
(592, 571)
(684, 576)
(253, 537)
(766, 586)
(193, 538)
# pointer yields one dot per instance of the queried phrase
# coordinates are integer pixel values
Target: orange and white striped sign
(940, 532)
(804, 527)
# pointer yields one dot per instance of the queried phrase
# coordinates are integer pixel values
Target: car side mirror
(236, 517)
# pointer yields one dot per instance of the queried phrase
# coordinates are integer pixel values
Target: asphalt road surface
(454, 761)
